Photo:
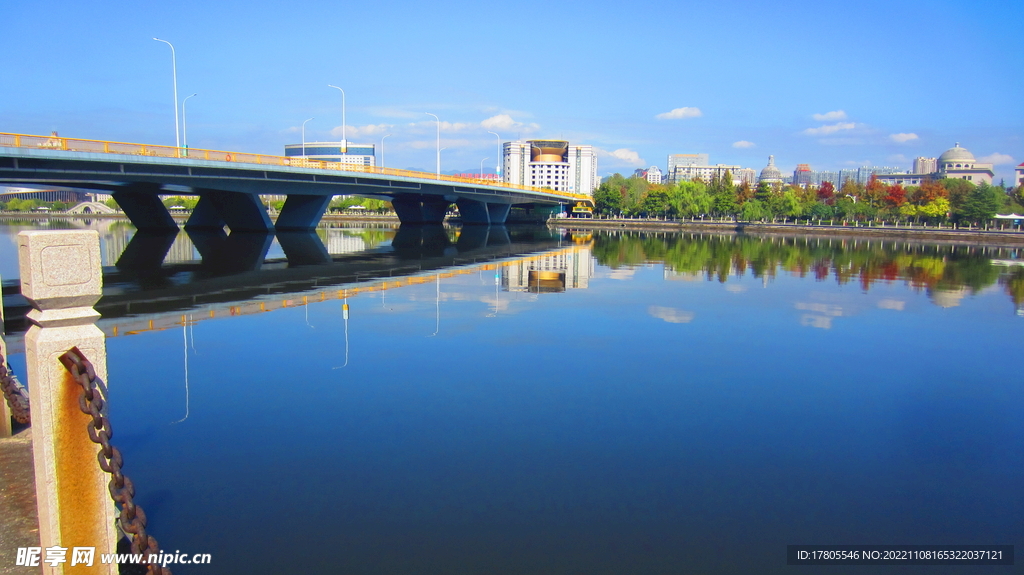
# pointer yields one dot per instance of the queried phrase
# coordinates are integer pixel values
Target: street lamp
(344, 141)
(184, 125)
(382, 150)
(174, 72)
(304, 138)
(497, 170)
(438, 142)
(482, 168)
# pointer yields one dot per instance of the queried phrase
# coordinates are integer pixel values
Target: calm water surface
(671, 404)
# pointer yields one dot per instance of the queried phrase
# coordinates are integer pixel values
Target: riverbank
(920, 233)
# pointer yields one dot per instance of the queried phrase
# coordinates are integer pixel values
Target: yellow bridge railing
(100, 146)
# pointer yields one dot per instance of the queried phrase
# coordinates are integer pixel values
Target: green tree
(982, 203)
(608, 197)
(655, 203)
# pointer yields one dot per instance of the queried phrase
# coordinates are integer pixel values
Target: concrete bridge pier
(226, 254)
(420, 209)
(241, 212)
(143, 207)
(146, 250)
(303, 248)
(420, 241)
(485, 213)
(302, 212)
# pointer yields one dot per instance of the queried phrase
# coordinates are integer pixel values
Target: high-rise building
(552, 164)
(802, 174)
(926, 165)
(356, 154)
(677, 160)
(653, 175)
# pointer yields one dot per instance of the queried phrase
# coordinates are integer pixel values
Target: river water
(630, 403)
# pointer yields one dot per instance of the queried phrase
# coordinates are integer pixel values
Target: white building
(1020, 174)
(677, 160)
(343, 152)
(552, 164)
(926, 165)
(553, 273)
(956, 162)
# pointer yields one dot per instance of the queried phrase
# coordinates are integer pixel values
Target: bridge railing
(54, 142)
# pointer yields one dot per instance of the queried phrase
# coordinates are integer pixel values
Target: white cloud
(680, 114)
(670, 314)
(903, 138)
(889, 303)
(830, 129)
(743, 144)
(622, 156)
(352, 132)
(997, 159)
(830, 116)
(505, 122)
(499, 122)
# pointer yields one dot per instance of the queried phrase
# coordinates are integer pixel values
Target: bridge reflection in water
(153, 287)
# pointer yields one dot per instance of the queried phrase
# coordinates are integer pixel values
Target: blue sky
(832, 84)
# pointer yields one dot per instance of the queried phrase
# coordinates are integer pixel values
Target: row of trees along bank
(933, 201)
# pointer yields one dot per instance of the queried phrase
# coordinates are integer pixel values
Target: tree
(982, 203)
(895, 196)
(875, 191)
(936, 209)
(608, 197)
(654, 203)
(827, 193)
(112, 204)
(956, 190)
(753, 210)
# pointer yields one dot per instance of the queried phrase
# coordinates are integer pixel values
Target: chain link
(131, 519)
(15, 393)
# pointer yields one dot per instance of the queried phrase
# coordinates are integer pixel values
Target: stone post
(5, 410)
(61, 278)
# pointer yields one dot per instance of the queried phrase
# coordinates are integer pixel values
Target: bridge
(229, 184)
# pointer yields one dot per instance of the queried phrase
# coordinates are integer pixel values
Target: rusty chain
(131, 518)
(15, 393)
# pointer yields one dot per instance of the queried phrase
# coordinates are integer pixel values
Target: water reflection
(947, 273)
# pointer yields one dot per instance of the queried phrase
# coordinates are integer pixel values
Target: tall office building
(926, 165)
(802, 175)
(677, 160)
(552, 164)
(355, 154)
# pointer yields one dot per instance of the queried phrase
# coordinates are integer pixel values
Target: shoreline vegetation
(944, 232)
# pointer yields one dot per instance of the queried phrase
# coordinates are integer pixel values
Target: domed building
(959, 163)
(770, 173)
(955, 162)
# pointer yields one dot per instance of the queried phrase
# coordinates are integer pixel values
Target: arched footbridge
(229, 184)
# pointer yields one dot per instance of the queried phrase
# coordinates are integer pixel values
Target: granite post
(61, 278)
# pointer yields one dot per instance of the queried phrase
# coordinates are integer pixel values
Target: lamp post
(184, 125)
(438, 142)
(497, 170)
(382, 150)
(304, 138)
(344, 140)
(482, 168)
(174, 72)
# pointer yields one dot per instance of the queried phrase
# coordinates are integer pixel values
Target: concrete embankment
(19, 525)
(987, 237)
